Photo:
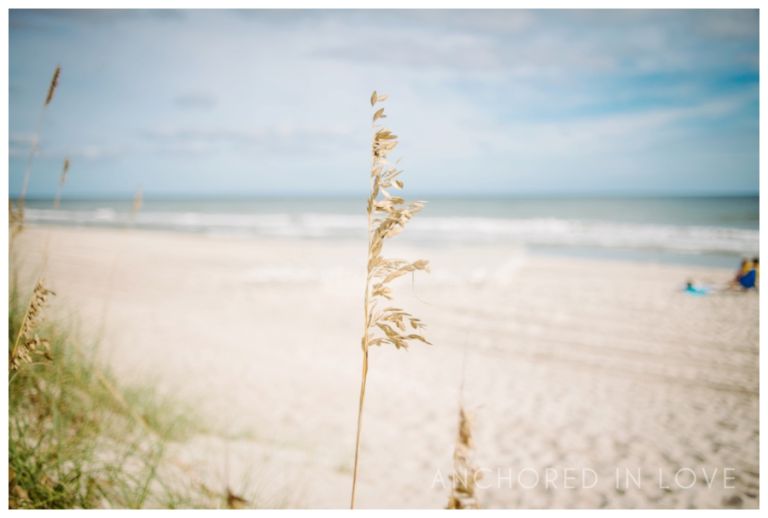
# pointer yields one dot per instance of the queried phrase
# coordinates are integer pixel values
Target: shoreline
(718, 260)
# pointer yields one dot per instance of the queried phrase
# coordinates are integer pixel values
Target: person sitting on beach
(744, 268)
(742, 275)
(746, 277)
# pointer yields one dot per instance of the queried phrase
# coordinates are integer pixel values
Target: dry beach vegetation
(387, 217)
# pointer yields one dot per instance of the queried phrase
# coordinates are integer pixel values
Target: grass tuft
(77, 439)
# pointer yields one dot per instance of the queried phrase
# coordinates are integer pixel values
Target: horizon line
(168, 196)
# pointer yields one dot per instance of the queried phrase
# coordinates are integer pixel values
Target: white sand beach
(568, 364)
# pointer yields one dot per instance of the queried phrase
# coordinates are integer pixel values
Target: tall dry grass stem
(17, 219)
(62, 181)
(387, 217)
(465, 475)
(138, 200)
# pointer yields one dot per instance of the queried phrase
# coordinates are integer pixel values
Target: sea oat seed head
(28, 344)
(465, 475)
(53, 85)
(387, 217)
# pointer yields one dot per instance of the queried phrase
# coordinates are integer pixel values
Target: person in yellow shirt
(744, 268)
(746, 277)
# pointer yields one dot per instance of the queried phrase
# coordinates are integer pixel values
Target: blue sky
(276, 102)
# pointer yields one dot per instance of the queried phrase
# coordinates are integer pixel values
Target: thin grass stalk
(35, 146)
(361, 404)
(138, 200)
(364, 377)
(387, 217)
(62, 181)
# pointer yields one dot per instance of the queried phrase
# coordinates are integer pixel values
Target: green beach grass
(79, 439)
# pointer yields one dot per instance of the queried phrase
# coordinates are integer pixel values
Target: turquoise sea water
(695, 230)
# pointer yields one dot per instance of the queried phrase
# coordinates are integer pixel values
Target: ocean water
(695, 230)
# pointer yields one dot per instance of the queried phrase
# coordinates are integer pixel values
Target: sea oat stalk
(62, 181)
(387, 217)
(18, 217)
(28, 344)
(137, 202)
(464, 476)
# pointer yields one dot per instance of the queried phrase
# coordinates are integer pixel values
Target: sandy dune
(573, 367)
